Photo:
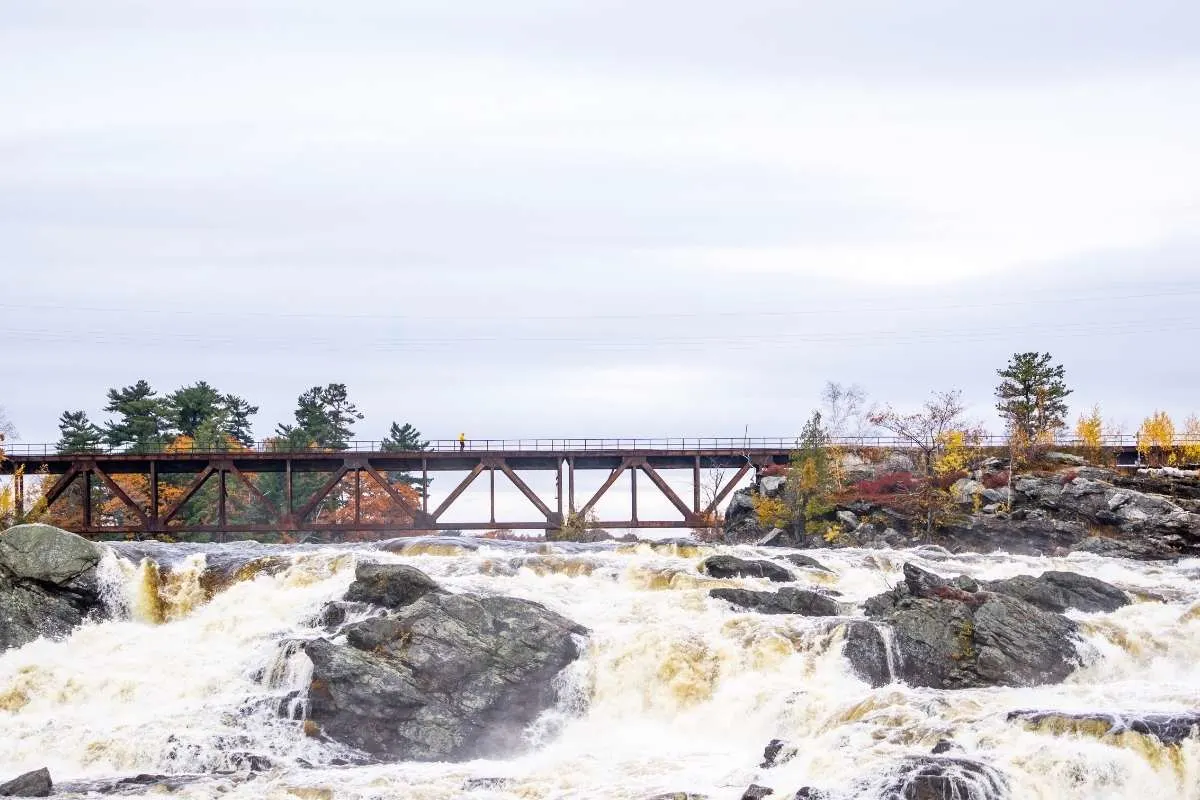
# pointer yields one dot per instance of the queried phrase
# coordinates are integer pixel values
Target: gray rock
(31, 784)
(775, 754)
(1170, 729)
(46, 554)
(1143, 550)
(772, 485)
(788, 600)
(964, 491)
(1029, 536)
(944, 778)
(807, 562)
(389, 585)
(867, 652)
(756, 792)
(1069, 459)
(1059, 591)
(443, 678)
(741, 521)
(848, 519)
(948, 636)
(734, 567)
(896, 462)
(778, 537)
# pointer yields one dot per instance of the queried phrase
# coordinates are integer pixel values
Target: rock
(809, 793)
(389, 585)
(788, 600)
(741, 520)
(772, 486)
(1028, 536)
(964, 491)
(801, 560)
(848, 519)
(31, 784)
(1170, 729)
(943, 778)
(945, 635)
(1059, 591)
(756, 792)
(442, 678)
(944, 746)
(867, 651)
(46, 554)
(48, 584)
(733, 567)
(896, 462)
(1056, 457)
(778, 537)
(1145, 550)
(775, 754)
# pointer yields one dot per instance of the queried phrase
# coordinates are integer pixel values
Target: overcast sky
(539, 218)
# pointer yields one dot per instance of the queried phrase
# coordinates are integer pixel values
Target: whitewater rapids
(674, 692)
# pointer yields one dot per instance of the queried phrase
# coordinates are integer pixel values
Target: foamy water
(675, 691)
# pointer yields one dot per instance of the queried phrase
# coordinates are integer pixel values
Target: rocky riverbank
(1145, 515)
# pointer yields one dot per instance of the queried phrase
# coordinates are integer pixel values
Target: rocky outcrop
(31, 784)
(949, 635)
(436, 676)
(1170, 729)
(788, 600)
(733, 567)
(1060, 591)
(867, 651)
(48, 583)
(1028, 536)
(941, 777)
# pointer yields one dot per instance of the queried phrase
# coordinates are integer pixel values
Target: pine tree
(189, 407)
(1032, 397)
(324, 416)
(143, 418)
(406, 438)
(78, 434)
(237, 419)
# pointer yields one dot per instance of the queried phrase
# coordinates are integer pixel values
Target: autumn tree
(78, 434)
(1190, 448)
(806, 498)
(406, 438)
(142, 417)
(1156, 439)
(1032, 398)
(1089, 430)
(324, 418)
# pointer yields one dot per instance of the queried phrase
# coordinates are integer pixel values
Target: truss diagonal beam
(523, 487)
(321, 494)
(229, 466)
(458, 490)
(721, 495)
(417, 514)
(626, 463)
(666, 489)
(62, 483)
(188, 493)
(121, 495)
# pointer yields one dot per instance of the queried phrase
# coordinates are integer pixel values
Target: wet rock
(741, 520)
(809, 793)
(867, 653)
(1011, 534)
(31, 784)
(808, 562)
(733, 567)
(788, 600)
(946, 635)
(1169, 728)
(1137, 550)
(48, 583)
(944, 778)
(756, 792)
(444, 677)
(1059, 591)
(944, 746)
(776, 753)
(389, 585)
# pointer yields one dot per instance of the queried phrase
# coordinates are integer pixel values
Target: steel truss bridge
(363, 467)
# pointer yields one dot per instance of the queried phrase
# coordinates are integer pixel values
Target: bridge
(154, 491)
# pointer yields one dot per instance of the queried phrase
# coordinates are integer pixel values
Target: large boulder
(389, 585)
(48, 583)
(1168, 728)
(443, 677)
(867, 651)
(788, 600)
(31, 784)
(948, 635)
(741, 520)
(734, 567)
(1059, 591)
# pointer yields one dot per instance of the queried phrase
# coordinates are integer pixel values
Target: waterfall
(200, 672)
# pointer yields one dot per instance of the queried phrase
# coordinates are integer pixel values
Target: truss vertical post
(558, 486)
(571, 483)
(19, 495)
(492, 492)
(425, 485)
(633, 494)
(153, 495)
(87, 499)
(358, 497)
(696, 485)
(222, 511)
(288, 487)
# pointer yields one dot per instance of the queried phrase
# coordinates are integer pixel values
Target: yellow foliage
(1156, 437)
(833, 534)
(1190, 449)
(772, 512)
(1090, 429)
(957, 450)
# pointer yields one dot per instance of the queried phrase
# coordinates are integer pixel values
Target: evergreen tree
(324, 416)
(190, 406)
(143, 419)
(1032, 397)
(237, 419)
(810, 481)
(78, 434)
(406, 438)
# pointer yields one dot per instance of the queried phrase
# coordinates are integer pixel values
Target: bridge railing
(546, 445)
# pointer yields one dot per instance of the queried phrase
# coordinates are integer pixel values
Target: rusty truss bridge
(171, 490)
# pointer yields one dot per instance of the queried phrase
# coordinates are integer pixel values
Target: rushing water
(675, 691)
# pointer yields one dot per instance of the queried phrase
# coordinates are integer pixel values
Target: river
(675, 691)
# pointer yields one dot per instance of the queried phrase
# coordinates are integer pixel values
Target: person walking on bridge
(462, 441)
